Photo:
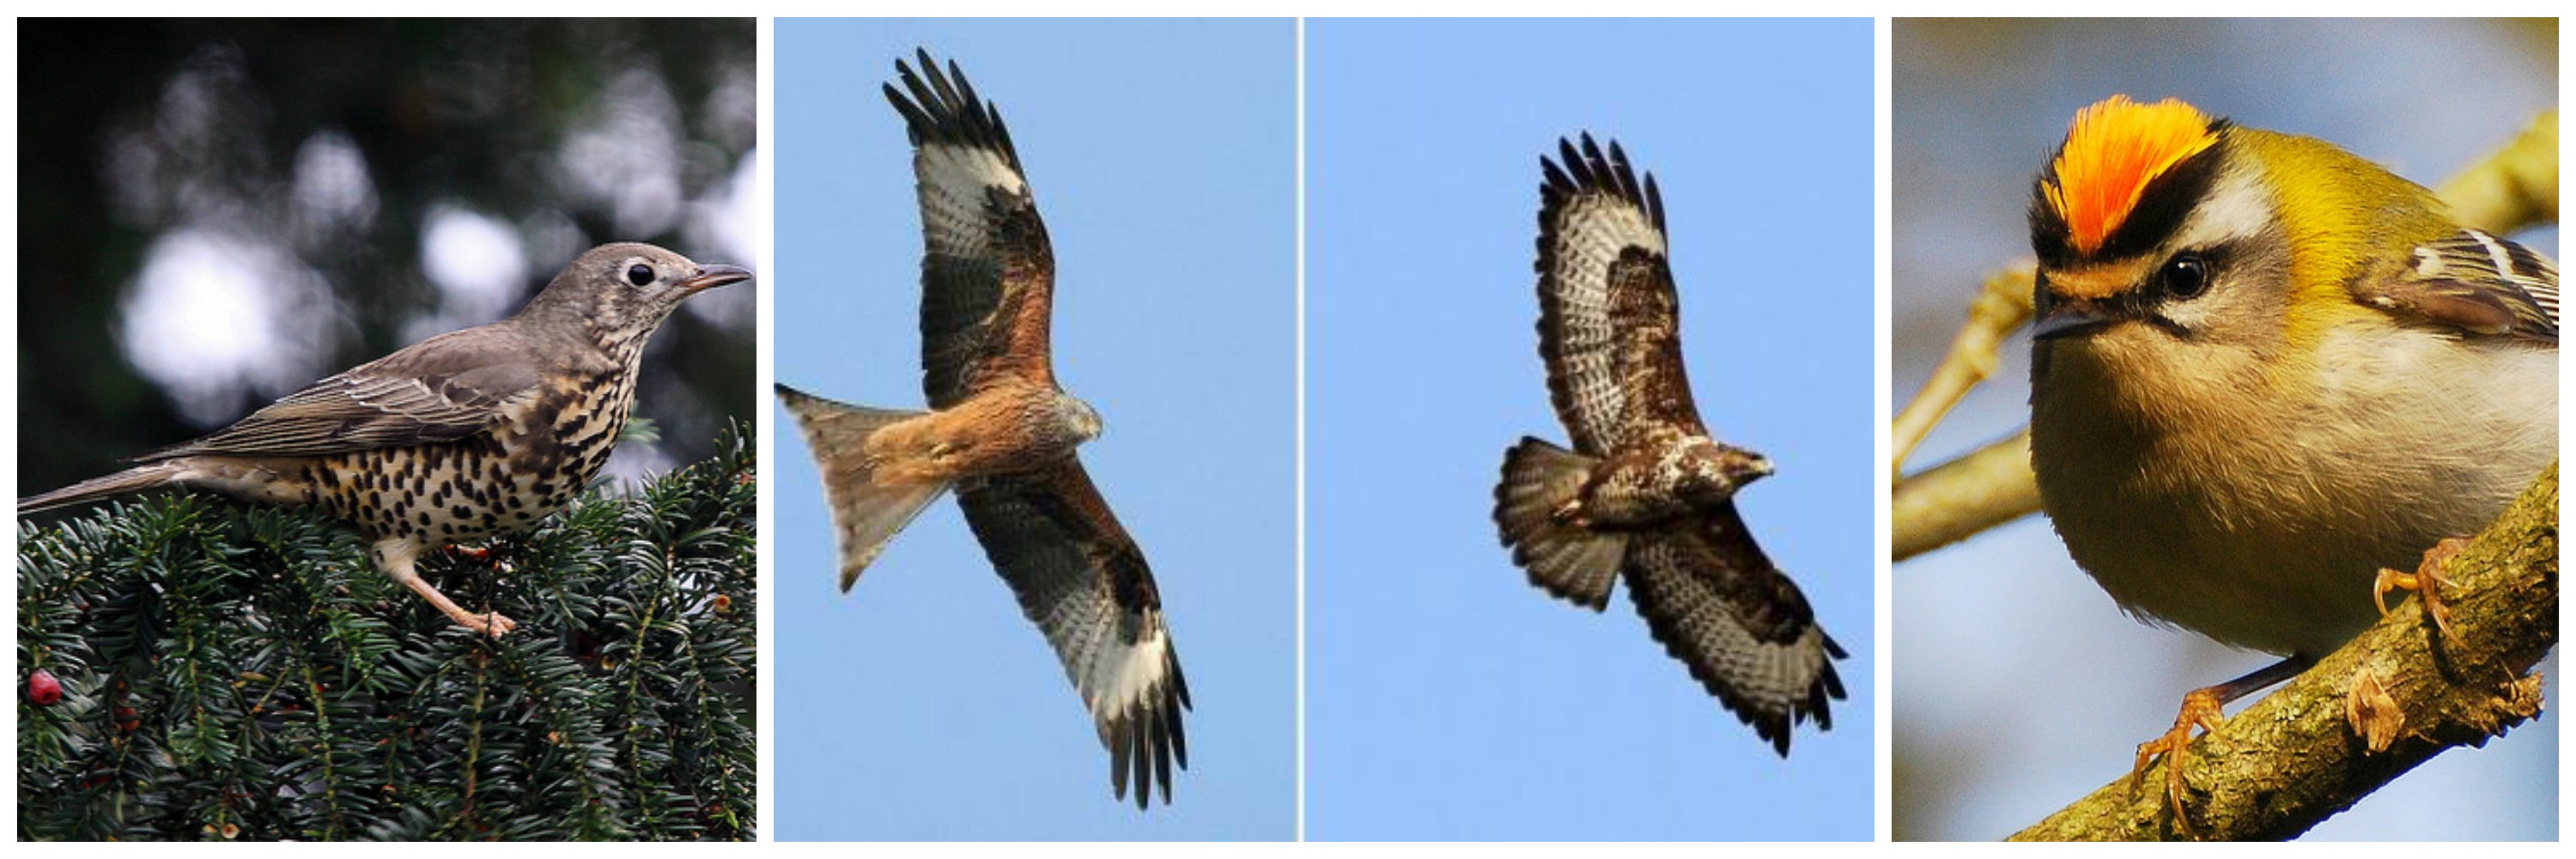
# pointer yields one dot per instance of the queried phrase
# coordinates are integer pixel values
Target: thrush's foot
(494, 624)
(2425, 581)
(491, 623)
(2201, 708)
(396, 556)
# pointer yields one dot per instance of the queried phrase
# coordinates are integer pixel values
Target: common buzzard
(1645, 491)
(1002, 435)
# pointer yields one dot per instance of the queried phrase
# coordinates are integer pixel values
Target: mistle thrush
(458, 437)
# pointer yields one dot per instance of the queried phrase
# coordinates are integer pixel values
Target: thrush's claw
(2425, 581)
(494, 624)
(2200, 709)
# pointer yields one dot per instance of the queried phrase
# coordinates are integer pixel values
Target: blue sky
(922, 705)
(1446, 698)
(2019, 686)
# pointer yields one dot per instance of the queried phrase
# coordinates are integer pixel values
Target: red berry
(43, 690)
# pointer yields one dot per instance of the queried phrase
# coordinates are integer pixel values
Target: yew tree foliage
(231, 671)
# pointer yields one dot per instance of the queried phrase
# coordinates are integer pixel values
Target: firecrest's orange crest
(2113, 149)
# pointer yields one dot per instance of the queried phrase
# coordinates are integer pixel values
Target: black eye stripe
(639, 274)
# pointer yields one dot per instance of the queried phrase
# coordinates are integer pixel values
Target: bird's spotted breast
(531, 463)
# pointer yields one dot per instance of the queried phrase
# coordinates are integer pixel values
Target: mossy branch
(2306, 752)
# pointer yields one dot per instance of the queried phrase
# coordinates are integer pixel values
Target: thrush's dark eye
(2184, 277)
(639, 274)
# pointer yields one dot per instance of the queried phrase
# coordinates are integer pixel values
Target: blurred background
(213, 214)
(2019, 687)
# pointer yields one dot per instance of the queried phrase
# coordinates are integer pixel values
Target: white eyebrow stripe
(2236, 207)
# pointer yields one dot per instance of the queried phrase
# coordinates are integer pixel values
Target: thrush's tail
(866, 514)
(134, 479)
(1567, 560)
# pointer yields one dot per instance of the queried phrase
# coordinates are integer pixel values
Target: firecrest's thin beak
(2068, 317)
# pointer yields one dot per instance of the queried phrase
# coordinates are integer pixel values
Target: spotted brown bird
(455, 438)
(1646, 495)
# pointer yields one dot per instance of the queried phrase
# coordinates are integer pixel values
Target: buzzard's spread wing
(1608, 321)
(2475, 284)
(1085, 584)
(440, 389)
(1719, 606)
(987, 271)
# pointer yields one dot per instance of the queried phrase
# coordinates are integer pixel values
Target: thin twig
(1956, 499)
(2514, 186)
(2002, 305)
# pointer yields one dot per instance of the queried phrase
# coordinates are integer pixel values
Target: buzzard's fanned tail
(1567, 560)
(134, 479)
(866, 514)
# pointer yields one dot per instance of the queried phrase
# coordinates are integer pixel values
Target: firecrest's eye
(2184, 277)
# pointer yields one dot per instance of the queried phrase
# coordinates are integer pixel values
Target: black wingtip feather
(1556, 185)
(1654, 202)
(1162, 752)
(1147, 740)
(1118, 745)
(1588, 168)
(943, 106)
(1180, 737)
(1142, 757)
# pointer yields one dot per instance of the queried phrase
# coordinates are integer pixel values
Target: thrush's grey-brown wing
(987, 269)
(1717, 604)
(1608, 318)
(1082, 580)
(441, 389)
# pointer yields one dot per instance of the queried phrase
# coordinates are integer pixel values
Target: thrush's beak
(714, 275)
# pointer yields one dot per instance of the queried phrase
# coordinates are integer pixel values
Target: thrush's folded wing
(1608, 319)
(2473, 283)
(1082, 580)
(1718, 605)
(440, 389)
(987, 270)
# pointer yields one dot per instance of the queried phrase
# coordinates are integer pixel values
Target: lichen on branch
(2305, 752)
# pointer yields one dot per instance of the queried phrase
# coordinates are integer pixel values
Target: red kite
(1002, 435)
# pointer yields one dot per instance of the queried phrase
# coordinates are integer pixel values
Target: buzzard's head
(1712, 471)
